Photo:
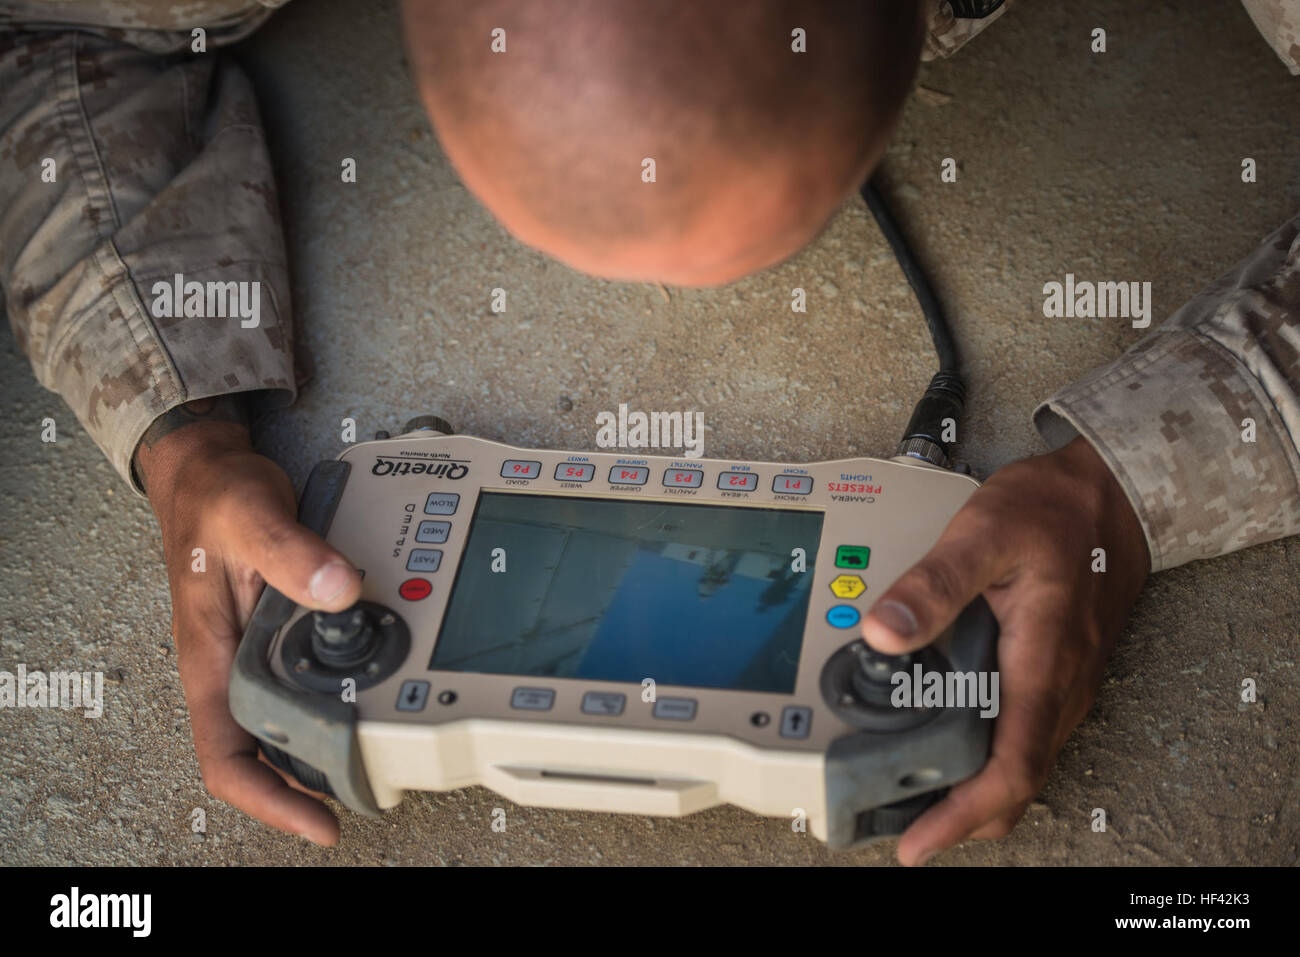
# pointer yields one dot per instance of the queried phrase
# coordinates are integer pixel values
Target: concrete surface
(1123, 166)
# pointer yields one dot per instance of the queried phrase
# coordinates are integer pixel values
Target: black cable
(945, 397)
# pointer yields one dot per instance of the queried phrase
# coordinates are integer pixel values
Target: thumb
(926, 599)
(293, 559)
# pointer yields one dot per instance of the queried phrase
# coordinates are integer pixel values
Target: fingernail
(329, 581)
(895, 616)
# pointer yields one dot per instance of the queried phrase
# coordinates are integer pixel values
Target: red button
(413, 589)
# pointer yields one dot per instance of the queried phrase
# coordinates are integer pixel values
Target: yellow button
(848, 586)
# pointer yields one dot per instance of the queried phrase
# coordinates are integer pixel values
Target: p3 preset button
(683, 478)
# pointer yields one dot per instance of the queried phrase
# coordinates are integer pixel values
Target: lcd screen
(686, 594)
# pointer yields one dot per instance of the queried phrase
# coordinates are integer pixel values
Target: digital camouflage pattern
(162, 169)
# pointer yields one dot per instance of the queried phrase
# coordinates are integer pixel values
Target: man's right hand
(209, 490)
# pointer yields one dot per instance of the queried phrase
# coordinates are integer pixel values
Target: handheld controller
(610, 632)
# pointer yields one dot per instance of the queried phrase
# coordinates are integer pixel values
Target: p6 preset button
(514, 468)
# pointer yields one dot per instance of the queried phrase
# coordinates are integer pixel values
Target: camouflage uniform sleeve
(1279, 22)
(1200, 420)
(947, 32)
(120, 170)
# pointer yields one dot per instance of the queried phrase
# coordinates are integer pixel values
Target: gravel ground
(1121, 166)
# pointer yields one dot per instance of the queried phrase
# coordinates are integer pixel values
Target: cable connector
(939, 410)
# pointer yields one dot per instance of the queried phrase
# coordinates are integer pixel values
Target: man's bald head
(754, 145)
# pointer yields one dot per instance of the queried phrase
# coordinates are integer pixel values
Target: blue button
(843, 616)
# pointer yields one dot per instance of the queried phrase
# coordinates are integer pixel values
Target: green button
(852, 556)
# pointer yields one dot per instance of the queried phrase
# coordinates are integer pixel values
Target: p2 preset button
(738, 481)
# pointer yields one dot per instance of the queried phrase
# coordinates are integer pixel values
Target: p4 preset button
(675, 709)
(532, 699)
(628, 475)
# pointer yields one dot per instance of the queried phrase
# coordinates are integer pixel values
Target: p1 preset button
(532, 699)
(792, 484)
(675, 709)
(628, 475)
(513, 468)
(441, 503)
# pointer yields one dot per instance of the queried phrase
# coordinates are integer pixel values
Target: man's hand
(1025, 541)
(209, 490)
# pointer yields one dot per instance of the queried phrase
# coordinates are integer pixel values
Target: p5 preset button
(628, 475)
(574, 472)
(513, 468)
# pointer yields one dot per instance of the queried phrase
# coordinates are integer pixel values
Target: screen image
(686, 594)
